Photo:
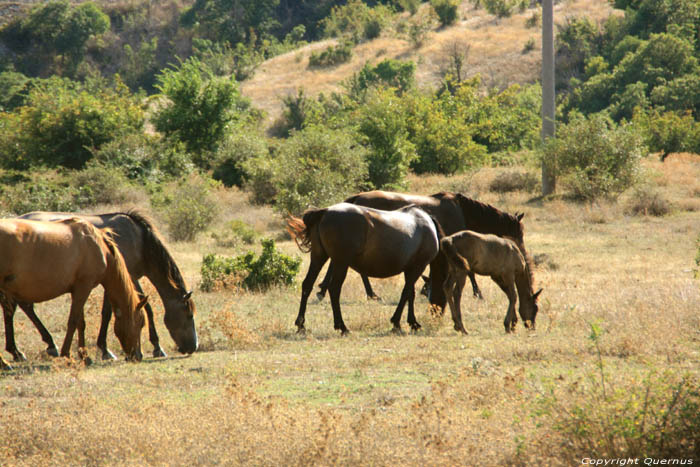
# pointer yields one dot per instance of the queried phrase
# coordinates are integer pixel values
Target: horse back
(488, 254)
(42, 260)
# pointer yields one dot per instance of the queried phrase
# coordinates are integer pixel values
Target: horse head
(529, 309)
(179, 319)
(127, 328)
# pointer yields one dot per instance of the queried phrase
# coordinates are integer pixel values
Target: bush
(315, 167)
(332, 55)
(259, 273)
(391, 73)
(669, 132)
(44, 192)
(500, 8)
(513, 180)
(241, 145)
(234, 233)
(63, 122)
(446, 10)
(355, 21)
(646, 200)
(98, 184)
(201, 107)
(189, 210)
(595, 157)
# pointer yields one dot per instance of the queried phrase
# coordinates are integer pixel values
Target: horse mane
(120, 270)
(529, 263)
(154, 251)
(485, 218)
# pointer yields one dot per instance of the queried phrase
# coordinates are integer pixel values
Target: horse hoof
(320, 296)
(158, 352)
(415, 327)
(19, 356)
(344, 332)
(397, 330)
(52, 351)
(376, 298)
(88, 361)
(107, 355)
(4, 365)
(301, 331)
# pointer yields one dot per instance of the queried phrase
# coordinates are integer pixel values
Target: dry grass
(495, 53)
(257, 393)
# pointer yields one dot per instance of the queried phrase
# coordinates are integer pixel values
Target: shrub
(234, 233)
(646, 200)
(669, 132)
(241, 145)
(259, 272)
(189, 210)
(200, 107)
(98, 184)
(383, 129)
(63, 122)
(44, 192)
(299, 111)
(513, 180)
(391, 73)
(355, 21)
(316, 167)
(332, 55)
(500, 8)
(595, 157)
(446, 10)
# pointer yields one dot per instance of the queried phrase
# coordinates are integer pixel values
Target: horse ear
(425, 278)
(187, 296)
(519, 216)
(142, 302)
(536, 294)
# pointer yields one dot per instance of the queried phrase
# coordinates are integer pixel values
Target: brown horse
(494, 256)
(40, 261)
(372, 242)
(145, 255)
(454, 212)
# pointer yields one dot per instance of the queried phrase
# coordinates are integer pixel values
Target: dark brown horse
(145, 255)
(497, 257)
(372, 242)
(40, 261)
(454, 212)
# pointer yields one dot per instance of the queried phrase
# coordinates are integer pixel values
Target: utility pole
(548, 99)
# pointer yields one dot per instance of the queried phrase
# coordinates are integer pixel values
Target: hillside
(496, 52)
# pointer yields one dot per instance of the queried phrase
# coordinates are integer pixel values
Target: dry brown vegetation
(257, 393)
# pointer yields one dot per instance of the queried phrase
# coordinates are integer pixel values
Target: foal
(497, 257)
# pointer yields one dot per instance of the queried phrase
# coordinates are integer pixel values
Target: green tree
(200, 107)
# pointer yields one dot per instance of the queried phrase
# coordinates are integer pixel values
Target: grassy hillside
(259, 394)
(496, 52)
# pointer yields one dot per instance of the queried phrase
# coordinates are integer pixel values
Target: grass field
(619, 312)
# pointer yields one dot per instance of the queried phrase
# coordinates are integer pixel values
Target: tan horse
(497, 257)
(40, 261)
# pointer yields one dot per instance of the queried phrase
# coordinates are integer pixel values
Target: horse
(454, 212)
(372, 242)
(40, 261)
(145, 255)
(497, 257)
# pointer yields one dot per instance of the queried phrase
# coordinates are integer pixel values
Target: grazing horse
(145, 255)
(40, 261)
(372, 242)
(454, 212)
(489, 255)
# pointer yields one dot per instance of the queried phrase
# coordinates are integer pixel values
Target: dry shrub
(646, 200)
(514, 180)
(233, 328)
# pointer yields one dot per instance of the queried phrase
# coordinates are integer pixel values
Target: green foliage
(42, 192)
(514, 180)
(200, 107)
(446, 11)
(669, 132)
(242, 145)
(299, 111)
(63, 122)
(391, 73)
(102, 185)
(500, 8)
(14, 88)
(239, 61)
(234, 233)
(595, 157)
(259, 272)
(383, 129)
(332, 55)
(443, 143)
(314, 167)
(189, 209)
(356, 21)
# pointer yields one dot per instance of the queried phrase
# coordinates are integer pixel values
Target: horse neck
(484, 218)
(167, 287)
(525, 284)
(118, 285)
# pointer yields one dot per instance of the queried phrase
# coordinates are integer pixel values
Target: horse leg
(410, 278)
(4, 365)
(339, 273)
(323, 286)
(8, 308)
(475, 286)
(368, 288)
(51, 348)
(152, 333)
(508, 288)
(104, 327)
(460, 281)
(317, 262)
(76, 320)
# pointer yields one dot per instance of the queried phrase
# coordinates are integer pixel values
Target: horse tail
(453, 257)
(300, 229)
(438, 228)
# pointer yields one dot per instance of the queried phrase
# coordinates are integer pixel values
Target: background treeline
(100, 99)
